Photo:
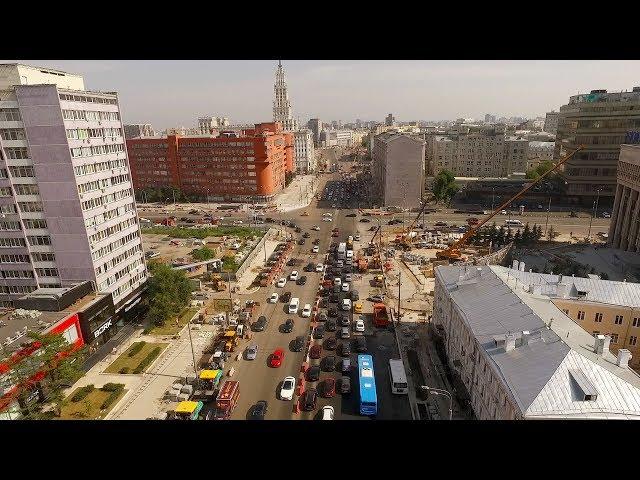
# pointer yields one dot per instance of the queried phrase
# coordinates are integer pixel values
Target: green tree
(445, 186)
(538, 171)
(551, 233)
(518, 238)
(527, 235)
(537, 232)
(202, 254)
(169, 292)
(604, 276)
(500, 237)
(509, 236)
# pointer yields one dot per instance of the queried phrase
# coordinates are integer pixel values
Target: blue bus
(368, 397)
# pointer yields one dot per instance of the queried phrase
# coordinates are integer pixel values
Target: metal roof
(493, 303)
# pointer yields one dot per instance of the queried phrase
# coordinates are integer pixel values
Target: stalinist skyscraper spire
(282, 111)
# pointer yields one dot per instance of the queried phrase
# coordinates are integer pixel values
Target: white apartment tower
(282, 111)
(67, 207)
(304, 151)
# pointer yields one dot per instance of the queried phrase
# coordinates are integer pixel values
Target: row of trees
(163, 194)
(502, 236)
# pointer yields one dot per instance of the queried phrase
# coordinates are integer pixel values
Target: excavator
(405, 240)
(452, 253)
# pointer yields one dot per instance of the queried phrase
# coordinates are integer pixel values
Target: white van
(294, 304)
(346, 304)
(513, 223)
(349, 254)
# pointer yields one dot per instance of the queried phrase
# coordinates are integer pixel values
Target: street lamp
(439, 391)
(594, 212)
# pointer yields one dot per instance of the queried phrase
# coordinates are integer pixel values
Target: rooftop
(541, 372)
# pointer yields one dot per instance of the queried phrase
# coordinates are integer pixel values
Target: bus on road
(398, 377)
(368, 396)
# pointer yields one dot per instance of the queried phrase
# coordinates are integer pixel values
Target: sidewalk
(298, 194)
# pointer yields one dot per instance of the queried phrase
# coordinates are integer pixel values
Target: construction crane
(405, 240)
(452, 253)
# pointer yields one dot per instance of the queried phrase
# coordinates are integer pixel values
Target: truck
(250, 309)
(207, 385)
(380, 316)
(341, 253)
(350, 243)
(227, 399)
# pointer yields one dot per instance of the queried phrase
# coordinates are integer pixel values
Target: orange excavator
(452, 253)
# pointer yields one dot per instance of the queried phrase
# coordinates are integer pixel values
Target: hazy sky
(174, 93)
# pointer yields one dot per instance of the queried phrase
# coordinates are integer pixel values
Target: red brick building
(249, 165)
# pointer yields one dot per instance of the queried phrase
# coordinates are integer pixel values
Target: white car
(319, 267)
(337, 281)
(327, 412)
(315, 249)
(345, 287)
(237, 222)
(293, 276)
(287, 389)
(316, 228)
(327, 219)
(306, 311)
(503, 212)
(235, 246)
(281, 282)
(274, 298)
(359, 326)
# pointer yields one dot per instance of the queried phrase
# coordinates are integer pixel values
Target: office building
(337, 138)
(305, 157)
(138, 130)
(389, 120)
(397, 169)
(623, 230)
(599, 121)
(517, 356)
(282, 111)
(315, 125)
(207, 125)
(68, 210)
(234, 166)
(551, 122)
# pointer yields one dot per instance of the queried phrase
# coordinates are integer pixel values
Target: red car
(316, 351)
(276, 358)
(328, 387)
(337, 230)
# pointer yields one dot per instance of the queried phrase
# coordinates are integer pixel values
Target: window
(636, 322)
(17, 153)
(47, 272)
(39, 240)
(580, 315)
(619, 319)
(43, 257)
(27, 189)
(632, 340)
(614, 337)
(34, 223)
(10, 115)
(566, 311)
(596, 333)
(12, 134)
(5, 191)
(21, 171)
(30, 206)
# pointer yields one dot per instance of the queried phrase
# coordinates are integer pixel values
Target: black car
(331, 343)
(365, 220)
(306, 234)
(328, 364)
(350, 215)
(260, 324)
(318, 332)
(298, 344)
(373, 228)
(313, 374)
(301, 241)
(291, 262)
(331, 325)
(286, 297)
(310, 267)
(287, 327)
(309, 400)
(302, 280)
(361, 344)
(298, 229)
(333, 298)
(333, 312)
(344, 321)
(322, 317)
(345, 349)
(316, 241)
(259, 410)
(324, 301)
(268, 220)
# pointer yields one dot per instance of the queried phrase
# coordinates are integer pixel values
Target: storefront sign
(102, 328)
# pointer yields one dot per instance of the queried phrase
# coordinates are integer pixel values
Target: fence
(259, 247)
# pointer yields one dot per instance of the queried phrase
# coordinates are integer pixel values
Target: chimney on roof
(526, 335)
(509, 342)
(562, 290)
(515, 264)
(601, 344)
(522, 266)
(624, 356)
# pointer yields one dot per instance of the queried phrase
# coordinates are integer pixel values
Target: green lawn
(202, 233)
(170, 327)
(89, 408)
(125, 360)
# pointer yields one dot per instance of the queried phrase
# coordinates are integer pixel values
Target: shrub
(125, 370)
(147, 331)
(111, 398)
(82, 393)
(146, 361)
(136, 348)
(112, 387)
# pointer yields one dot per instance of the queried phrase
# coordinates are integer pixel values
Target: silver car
(344, 332)
(252, 352)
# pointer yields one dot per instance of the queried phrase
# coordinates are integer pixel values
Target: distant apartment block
(516, 355)
(305, 157)
(389, 120)
(398, 169)
(551, 122)
(207, 124)
(598, 120)
(315, 125)
(624, 231)
(236, 166)
(66, 197)
(539, 152)
(138, 130)
(337, 138)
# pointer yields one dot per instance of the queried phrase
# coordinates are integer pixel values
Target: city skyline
(174, 93)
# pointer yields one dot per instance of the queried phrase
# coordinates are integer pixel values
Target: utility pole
(547, 222)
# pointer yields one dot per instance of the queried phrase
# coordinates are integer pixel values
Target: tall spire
(282, 111)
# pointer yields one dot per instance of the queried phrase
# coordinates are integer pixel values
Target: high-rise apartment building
(397, 169)
(390, 120)
(282, 111)
(315, 125)
(488, 118)
(138, 130)
(236, 166)
(551, 122)
(66, 197)
(305, 156)
(599, 121)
